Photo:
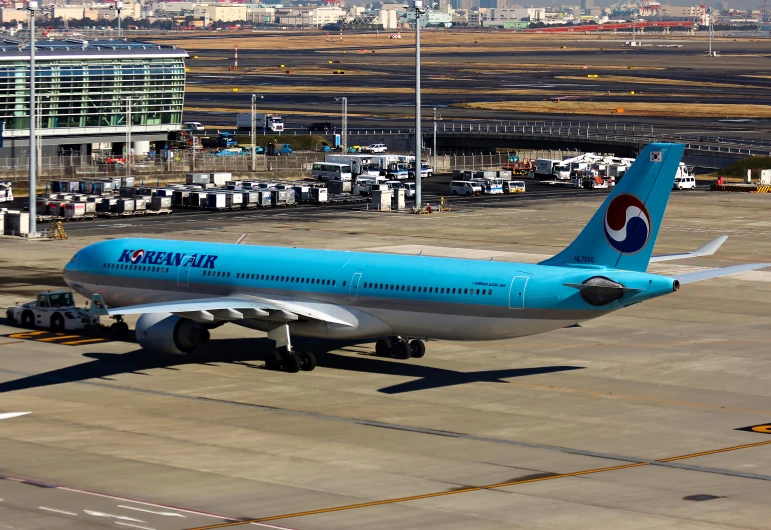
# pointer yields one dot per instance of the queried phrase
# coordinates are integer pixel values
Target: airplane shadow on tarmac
(245, 352)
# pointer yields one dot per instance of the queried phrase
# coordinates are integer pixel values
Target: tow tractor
(54, 310)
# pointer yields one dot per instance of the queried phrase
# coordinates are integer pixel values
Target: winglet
(704, 250)
(98, 307)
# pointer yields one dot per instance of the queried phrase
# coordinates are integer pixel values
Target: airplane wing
(227, 308)
(723, 271)
(705, 250)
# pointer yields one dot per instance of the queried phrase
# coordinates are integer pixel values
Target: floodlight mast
(418, 9)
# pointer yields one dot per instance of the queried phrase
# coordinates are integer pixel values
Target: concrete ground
(629, 421)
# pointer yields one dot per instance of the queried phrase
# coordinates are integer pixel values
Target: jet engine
(170, 334)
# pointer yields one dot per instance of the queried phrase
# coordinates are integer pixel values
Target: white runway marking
(135, 526)
(55, 510)
(9, 415)
(168, 514)
(123, 517)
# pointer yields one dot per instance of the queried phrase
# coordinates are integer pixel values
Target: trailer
(282, 198)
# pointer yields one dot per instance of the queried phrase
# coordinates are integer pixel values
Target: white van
(684, 183)
(465, 187)
(330, 171)
(193, 126)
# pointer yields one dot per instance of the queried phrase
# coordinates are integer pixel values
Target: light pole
(344, 133)
(118, 6)
(128, 137)
(436, 117)
(32, 7)
(254, 130)
(418, 9)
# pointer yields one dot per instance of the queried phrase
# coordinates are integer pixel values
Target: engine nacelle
(167, 333)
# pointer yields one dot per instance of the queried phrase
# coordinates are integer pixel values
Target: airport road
(629, 421)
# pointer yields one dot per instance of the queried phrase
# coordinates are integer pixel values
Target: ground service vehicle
(684, 183)
(194, 126)
(425, 170)
(513, 186)
(353, 297)
(465, 187)
(518, 166)
(331, 171)
(266, 122)
(375, 148)
(397, 170)
(279, 149)
(490, 186)
(355, 161)
(53, 309)
(320, 127)
(548, 168)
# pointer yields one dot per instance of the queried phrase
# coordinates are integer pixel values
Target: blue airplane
(182, 289)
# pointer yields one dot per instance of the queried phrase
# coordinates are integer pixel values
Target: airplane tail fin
(621, 234)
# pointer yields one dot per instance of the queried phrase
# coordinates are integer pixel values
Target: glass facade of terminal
(90, 94)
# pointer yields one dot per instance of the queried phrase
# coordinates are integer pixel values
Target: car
(320, 126)
(193, 126)
(684, 183)
(54, 310)
(375, 148)
(465, 187)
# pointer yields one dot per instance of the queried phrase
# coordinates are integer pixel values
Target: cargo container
(337, 187)
(219, 179)
(198, 178)
(180, 198)
(250, 199)
(160, 203)
(164, 192)
(140, 204)
(74, 210)
(319, 195)
(128, 192)
(235, 199)
(126, 182)
(124, 206)
(216, 200)
(282, 197)
(302, 193)
(107, 205)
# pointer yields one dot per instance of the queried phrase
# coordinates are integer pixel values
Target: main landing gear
(119, 328)
(400, 347)
(284, 357)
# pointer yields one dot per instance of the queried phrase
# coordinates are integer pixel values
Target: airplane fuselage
(377, 294)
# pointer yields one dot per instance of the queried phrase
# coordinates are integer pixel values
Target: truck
(266, 122)
(357, 162)
(518, 166)
(54, 310)
(549, 168)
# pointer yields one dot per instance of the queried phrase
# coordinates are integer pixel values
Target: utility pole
(417, 8)
(32, 7)
(128, 137)
(344, 132)
(254, 131)
(436, 116)
(118, 6)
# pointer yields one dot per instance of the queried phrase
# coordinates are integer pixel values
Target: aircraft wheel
(307, 361)
(291, 363)
(417, 348)
(402, 350)
(273, 360)
(383, 348)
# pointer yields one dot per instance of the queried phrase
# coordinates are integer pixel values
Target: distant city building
(586, 5)
(82, 88)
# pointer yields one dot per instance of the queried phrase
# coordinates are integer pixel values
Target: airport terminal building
(84, 91)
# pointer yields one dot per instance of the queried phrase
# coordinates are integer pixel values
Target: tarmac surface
(686, 75)
(630, 421)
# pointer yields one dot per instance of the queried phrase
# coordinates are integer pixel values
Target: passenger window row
(142, 268)
(219, 274)
(430, 290)
(280, 278)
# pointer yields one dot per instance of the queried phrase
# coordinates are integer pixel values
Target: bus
(331, 171)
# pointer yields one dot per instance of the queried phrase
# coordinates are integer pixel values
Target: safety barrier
(742, 188)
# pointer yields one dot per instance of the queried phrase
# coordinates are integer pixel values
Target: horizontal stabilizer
(705, 250)
(723, 271)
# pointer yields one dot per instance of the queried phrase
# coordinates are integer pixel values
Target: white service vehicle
(465, 187)
(375, 148)
(546, 167)
(357, 162)
(54, 310)
(684, 182)
(425, 170)
(268, 122)
(331, 171)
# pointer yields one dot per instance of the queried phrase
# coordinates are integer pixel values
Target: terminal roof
(12, 49)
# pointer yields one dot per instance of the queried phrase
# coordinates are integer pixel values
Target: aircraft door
(517, 292)
(183, 272)
(353, 293)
